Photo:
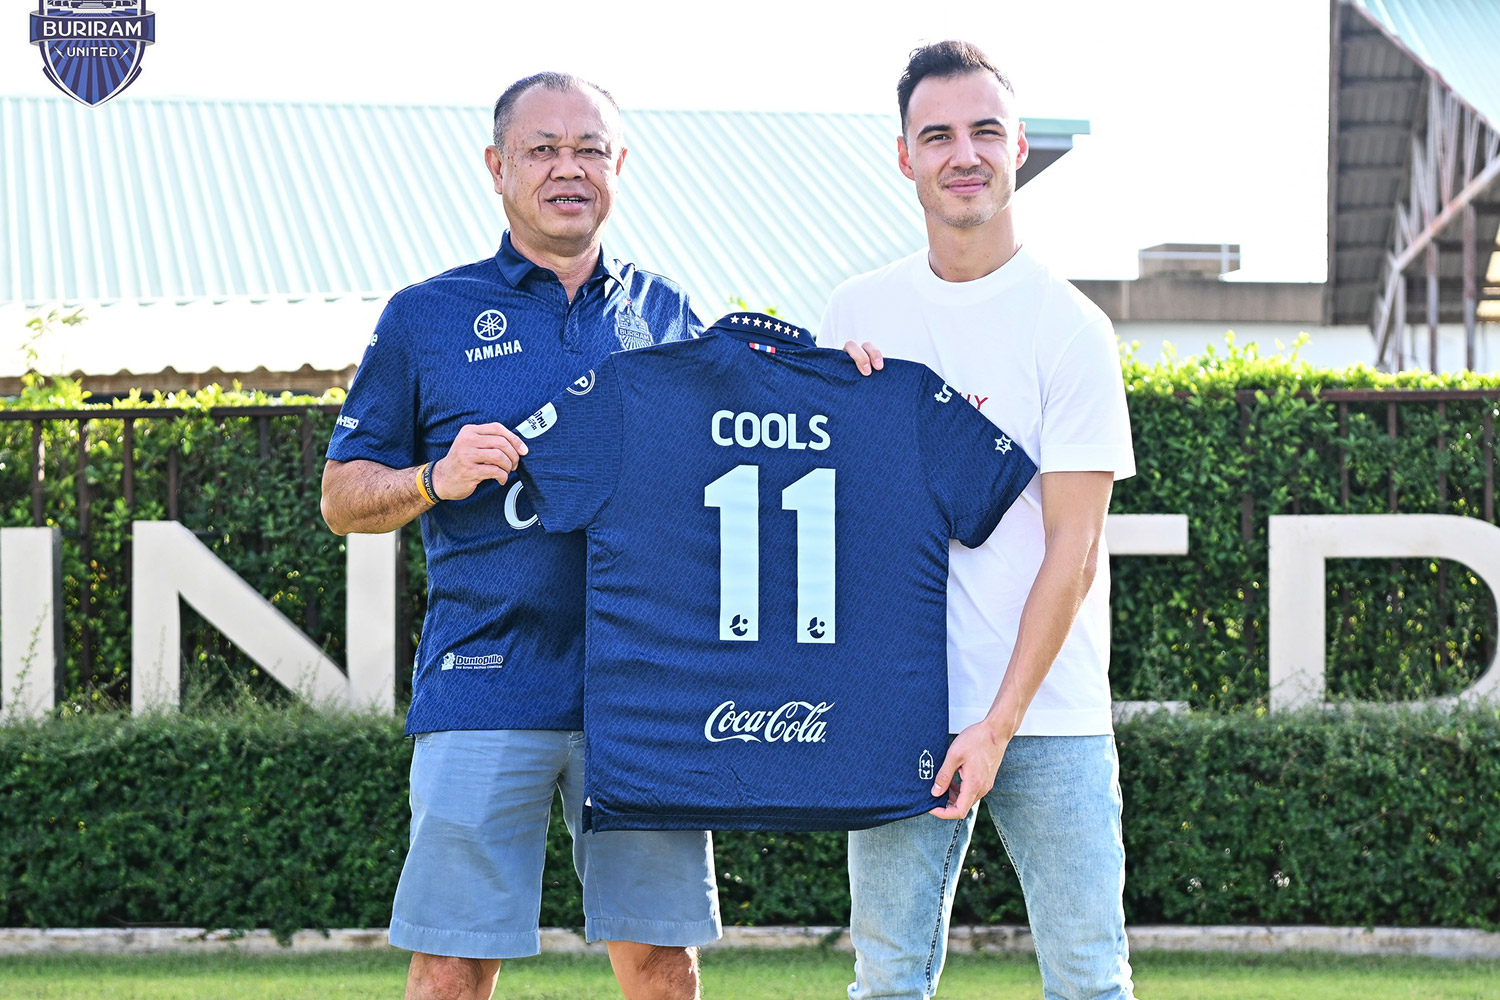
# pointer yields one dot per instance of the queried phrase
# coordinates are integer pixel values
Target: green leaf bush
(250, 810)
(1210, 432)
(292, 818)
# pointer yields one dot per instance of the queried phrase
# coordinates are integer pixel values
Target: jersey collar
(758, 329)
(515, 268)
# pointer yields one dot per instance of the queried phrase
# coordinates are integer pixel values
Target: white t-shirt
(1041, 361)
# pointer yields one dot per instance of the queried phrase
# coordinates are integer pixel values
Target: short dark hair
(943, 59)
(552, 81)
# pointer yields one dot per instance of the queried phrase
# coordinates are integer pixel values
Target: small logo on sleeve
(1003, 444)
(348, 422)
(944, 394)
(539, 422)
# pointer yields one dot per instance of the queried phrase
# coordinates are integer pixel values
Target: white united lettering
(493, 350)
(786, 724)
(768, 430)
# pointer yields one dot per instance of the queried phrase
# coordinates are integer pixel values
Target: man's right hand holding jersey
(366, 496)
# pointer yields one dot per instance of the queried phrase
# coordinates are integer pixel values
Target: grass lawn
(732, 975)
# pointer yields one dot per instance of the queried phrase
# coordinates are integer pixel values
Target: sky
(1208, 118)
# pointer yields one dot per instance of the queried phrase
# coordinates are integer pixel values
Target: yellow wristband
(424, 485)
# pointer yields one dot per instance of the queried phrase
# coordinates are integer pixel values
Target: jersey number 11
(737, 496)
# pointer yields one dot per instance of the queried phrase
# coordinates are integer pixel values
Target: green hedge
(252, 498)
(1186, 628)
(290, 819)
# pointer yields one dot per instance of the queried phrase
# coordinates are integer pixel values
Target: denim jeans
(1056, 804)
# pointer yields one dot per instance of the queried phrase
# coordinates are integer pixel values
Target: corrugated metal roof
(190, 200)
(1456, 40)
(1387, 53)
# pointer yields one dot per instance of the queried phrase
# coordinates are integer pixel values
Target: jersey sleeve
(1085, 424)
(973, 468)
(378, 419)
(573, 444)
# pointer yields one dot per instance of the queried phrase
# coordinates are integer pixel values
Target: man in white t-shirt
(1028, 622)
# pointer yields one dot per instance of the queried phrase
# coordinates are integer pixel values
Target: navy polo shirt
(502, 643)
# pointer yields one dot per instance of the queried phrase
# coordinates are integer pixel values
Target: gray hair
(505, 106)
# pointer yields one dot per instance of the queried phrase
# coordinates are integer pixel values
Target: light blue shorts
(472, 884)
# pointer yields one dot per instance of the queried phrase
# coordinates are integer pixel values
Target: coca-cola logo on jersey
(794, 722)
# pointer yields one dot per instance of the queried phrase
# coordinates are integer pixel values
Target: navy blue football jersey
(502, 642)
(768, 537)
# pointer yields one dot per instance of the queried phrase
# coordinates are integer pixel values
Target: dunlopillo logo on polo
(793, 722)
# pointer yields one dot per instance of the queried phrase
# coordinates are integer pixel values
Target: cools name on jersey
(768, 430)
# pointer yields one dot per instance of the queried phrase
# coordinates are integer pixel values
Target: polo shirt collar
(515, 268)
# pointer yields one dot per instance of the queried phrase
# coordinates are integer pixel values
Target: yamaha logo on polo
(490, 326)
(92, 49)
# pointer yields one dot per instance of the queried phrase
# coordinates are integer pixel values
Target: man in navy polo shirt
(497, 696)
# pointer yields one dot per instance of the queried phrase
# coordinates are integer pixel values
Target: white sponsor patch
(539, 422)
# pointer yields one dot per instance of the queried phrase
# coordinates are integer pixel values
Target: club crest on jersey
(91, 49)
(631, 329)
(539, 422)
(583, 384)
